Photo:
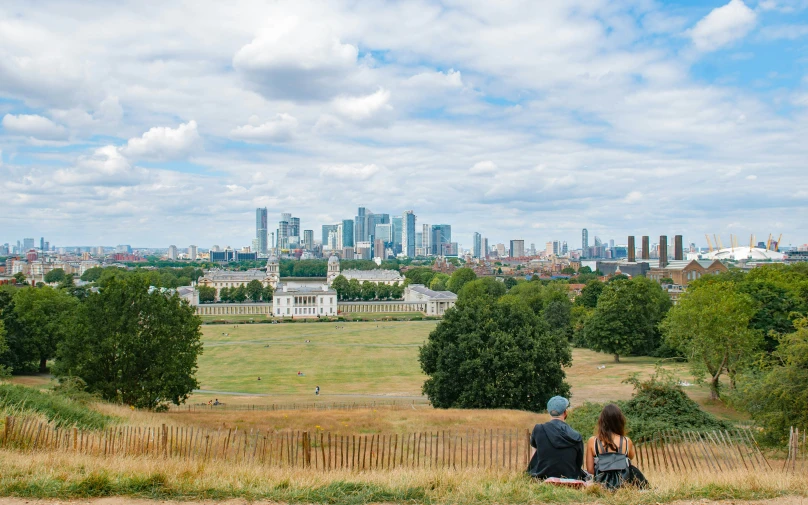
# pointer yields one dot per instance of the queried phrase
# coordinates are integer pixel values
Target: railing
(797, 459)
(269, 407)
(710, 451)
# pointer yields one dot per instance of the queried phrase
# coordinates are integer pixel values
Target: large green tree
(267, 292)
(133, 346)
(590, 294)
(43, 318)
(55, 275)
(340, 285)
(459, 278)
(626, 318)
(710, 325)
(493, 353)
(438, 282)
(207, 294)
(254, 289)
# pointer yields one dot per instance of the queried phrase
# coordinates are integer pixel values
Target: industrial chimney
(663, 251)
(646, 248)
(678, 252)
(631, 250)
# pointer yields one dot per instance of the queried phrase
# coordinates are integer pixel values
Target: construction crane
(777, 247)
(709, 244)
(718, 243)
(769, 243)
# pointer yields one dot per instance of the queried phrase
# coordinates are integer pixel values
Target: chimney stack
(678, 252)
(631, 250)
(663, 251)
(646, 248)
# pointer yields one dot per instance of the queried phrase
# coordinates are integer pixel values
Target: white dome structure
(745, 253)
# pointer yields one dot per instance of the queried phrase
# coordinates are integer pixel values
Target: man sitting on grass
(557, 450)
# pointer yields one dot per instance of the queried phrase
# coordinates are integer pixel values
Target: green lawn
(342, 358)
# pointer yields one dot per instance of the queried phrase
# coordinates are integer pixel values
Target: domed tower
(333, 268)
(273, 271)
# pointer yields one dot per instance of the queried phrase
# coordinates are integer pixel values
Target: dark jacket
(559, 451)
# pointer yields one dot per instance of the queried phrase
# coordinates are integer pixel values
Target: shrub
(61, 411)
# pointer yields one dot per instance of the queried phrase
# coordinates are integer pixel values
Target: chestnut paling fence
(797, 460)
(505, 449)
(386, 404)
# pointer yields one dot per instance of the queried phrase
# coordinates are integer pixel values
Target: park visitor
(317, 391)
(609, 452)
(557, 450)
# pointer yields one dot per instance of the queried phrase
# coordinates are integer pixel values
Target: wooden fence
(797, 459)
(269, 407)
(498, 449)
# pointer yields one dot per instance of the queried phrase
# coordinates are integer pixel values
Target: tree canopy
(459, 278)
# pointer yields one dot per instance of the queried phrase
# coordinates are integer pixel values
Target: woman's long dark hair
(611, 422)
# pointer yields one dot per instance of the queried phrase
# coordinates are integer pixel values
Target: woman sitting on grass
(609, 452)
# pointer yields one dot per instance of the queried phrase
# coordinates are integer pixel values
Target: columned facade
(381, 307)
(233, 309)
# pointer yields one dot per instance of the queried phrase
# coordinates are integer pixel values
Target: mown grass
(22, 401)
(70, 476)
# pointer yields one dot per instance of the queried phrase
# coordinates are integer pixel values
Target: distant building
(298, 302)
(398, 234)
(261, 229)
(347, 233)
(408, 233)
(517, 249)
(328, 229)
(478, 245)
(308, 240)
(584, 242)
(172, 252)
(192, 253)
(441, 234)
(683, 272)
(426, 239)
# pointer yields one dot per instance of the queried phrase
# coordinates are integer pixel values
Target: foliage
(777, 395)
(55, 275)
(133, 346)
(488, 288)
(626, 317)
(254, 289)
(568, 271)
(710, 325)
(56, 408)
(510, 282)
(493, 354)
(438, 282)
(419, 275)
(267, 293)
(658, 404)
(319, 267)
(590, 294)
(19, 278)
(207, 294)
(460, 278)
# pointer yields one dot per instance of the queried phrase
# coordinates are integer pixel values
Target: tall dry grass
(59, 475)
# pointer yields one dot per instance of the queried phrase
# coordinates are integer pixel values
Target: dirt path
(790, 500)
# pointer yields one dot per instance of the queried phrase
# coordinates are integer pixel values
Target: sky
(155, 123)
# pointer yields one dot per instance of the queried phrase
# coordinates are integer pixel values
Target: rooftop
(224, 275)
(377, 273)
(323, 289)
(445, 295)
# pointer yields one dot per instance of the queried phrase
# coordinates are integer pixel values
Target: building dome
(334, 259)
(272, 259)
(746, 253)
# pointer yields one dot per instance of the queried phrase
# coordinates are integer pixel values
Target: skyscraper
(294, 227)
(283, 234)
(384, 232)
(584, 242)
(517, 248)
(347, 233)
(426, 239)
(192, 253)
(172, 252)
(441, 234)
(408, 233)
(373, 220)
(27, 244)
(478, 245)
(308, 239)
(564, 248)
(361, 225)
(41, 243)
(261, 229)
(397, 234)
(327, 229)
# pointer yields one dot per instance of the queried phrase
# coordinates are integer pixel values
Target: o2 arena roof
(745, 253)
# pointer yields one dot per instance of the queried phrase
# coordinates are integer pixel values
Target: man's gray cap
(557, 405)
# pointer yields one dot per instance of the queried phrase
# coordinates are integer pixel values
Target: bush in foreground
(61, 411)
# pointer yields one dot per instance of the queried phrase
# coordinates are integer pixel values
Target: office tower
(397, 222)
(477, 250)
(645, 253)
(548, 248)
(215, 248)
(172, 252)
(27, 244)
(283, 234)
(564, 248)
(41, 243)
(347, 233)
(327, 230)
(361, 225)
(611, 243)
(192, 253)
(517, 248)
(426, 239)
(261, 229)
(47, 245)
(384, 232)
(678, 252)
(294, 226)
(419, 242)
(408, 233)
(485, 248)
(441, 234)
(598, 242)
(631, 249)
(584, 241)
(663, 251)
(376, 219)
(308, 238)
(332, 243)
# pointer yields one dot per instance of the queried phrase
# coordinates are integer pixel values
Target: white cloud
(294, 59)
(33, 125)
(163, 143)
(449, 79)
(723, 25)
(280, 129)
(751, 177)
(355, 171)
(105, 167)
(484, 167)
(633, 197)
(368, 108)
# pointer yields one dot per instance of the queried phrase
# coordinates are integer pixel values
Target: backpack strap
(598, 448)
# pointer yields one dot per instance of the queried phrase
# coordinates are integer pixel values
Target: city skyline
(640, 118)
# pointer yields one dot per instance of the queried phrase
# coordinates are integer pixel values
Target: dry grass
(56, 475)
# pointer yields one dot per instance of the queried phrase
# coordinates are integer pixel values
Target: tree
(590, 294)
(133, 346)
(19, 278)
(396, 291)
(438, 282)
(486, 287)
(459, 278)
(354, 290)
(585, 270)
(510, 282)
(382, 291)
(239, 294)
(254, 289)
(368, 290)
(44, 317)
(626, 317)
(493, 354)
(340, 285)
(568, 271)
(207, 294)
(92, 274)
(55, 275)
(267, 292)
(419, 275)
(710, 325)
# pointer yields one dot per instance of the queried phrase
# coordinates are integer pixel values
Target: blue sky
(160, 124)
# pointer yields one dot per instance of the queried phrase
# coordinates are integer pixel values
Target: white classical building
(377, 275)
(437, 302)
(304, 301)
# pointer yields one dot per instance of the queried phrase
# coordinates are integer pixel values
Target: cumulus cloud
(633, 197)
(106, 166)
(484, 167)
(280, 129)
(355, 171)
(449, 79)
(296, 60)
(162, 143)
(33, 125)
(723, 25)
(365, 109)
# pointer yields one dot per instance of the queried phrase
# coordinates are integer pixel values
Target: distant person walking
(317, 391)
